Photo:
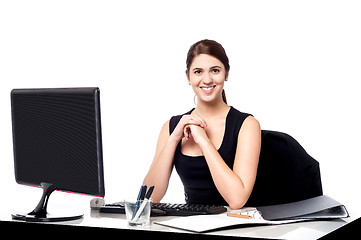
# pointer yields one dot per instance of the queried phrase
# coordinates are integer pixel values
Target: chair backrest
(286, 172)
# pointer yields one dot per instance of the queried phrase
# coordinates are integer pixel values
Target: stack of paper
(315, 208)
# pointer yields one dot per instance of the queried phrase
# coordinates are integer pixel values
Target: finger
(186, 133)
(191, 120)
(196, 123)
(201, 120)
(189, 132)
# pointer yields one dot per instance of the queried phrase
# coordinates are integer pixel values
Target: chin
(209, 99)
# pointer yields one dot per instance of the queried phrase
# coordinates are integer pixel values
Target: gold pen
(237, 215)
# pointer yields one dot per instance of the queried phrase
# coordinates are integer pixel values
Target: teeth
(207, 88)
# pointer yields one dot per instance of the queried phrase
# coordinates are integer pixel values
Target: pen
(141, 192)
(145, 201)
(149, 193)
(237, 215)
(144, 190)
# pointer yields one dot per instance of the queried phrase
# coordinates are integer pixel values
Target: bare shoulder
(251, 124)
(165, 129)
(166, 125)
(162, 138)
(250, 132)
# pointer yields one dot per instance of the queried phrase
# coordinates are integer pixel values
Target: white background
(295, 65)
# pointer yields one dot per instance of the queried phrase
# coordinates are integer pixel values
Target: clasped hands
(191, 126)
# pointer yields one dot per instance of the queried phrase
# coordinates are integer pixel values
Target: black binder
(321, 207)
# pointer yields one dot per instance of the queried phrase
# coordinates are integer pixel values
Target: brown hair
(212, 48)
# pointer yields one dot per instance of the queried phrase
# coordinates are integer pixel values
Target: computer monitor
(57, 144)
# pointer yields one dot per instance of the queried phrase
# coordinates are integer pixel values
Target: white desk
(302, 230)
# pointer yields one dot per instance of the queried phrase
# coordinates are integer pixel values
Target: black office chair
(286, 172)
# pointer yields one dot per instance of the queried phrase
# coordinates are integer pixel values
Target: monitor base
(40, 214)
(47, 218)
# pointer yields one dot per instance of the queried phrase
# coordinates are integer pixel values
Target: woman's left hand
(198, 133)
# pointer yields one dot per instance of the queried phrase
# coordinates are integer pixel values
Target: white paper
(203, 223)
(315, 208)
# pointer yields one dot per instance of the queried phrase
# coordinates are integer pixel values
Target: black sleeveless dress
(286, 173)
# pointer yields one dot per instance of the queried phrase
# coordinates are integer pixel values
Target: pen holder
(138, 213)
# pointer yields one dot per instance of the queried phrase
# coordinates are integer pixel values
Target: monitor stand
(40, 214)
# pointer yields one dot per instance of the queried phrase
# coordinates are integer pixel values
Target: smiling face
(207, 75)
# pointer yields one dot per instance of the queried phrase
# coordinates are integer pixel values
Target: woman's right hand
(180, 130)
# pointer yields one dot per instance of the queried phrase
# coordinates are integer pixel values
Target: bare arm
(235, 185)
(162, 165)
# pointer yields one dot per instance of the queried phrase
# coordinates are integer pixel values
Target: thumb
(187, 132)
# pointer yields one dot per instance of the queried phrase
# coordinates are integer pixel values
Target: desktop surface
(300, 230)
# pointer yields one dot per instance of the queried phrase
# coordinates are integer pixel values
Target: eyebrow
(215, 67)
(209, 68)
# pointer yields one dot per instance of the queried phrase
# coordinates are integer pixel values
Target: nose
(207, 78)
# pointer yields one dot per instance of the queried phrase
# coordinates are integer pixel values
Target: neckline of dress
(224, 135)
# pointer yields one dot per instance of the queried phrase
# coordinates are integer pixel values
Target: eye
(197, 72)
(215, 70)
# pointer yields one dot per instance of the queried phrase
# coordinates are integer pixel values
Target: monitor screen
(57, 138)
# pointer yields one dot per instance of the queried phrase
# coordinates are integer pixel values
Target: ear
(226, 76)
(189, 81)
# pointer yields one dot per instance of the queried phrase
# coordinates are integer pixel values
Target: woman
(214, 147)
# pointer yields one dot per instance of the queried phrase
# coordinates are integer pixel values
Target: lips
(208, 89)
